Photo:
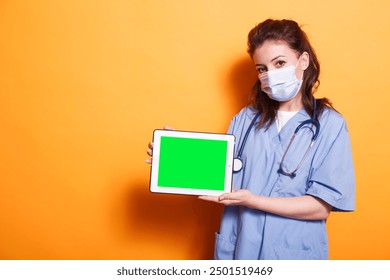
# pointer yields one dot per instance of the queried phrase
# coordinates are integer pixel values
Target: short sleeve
(332, 178)
(232, 125)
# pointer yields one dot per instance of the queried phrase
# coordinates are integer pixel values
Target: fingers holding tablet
(149, 151)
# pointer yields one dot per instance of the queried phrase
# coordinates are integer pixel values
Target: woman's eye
(261, 69)
(280, 63)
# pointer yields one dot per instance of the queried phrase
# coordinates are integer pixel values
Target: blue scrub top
(326, 173)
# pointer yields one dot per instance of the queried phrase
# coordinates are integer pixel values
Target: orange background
(84, 83)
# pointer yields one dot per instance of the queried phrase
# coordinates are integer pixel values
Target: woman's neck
(292, 105)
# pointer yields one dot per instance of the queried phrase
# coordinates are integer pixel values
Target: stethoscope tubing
(238, 164)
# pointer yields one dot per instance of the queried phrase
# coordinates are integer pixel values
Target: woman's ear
(305, 60)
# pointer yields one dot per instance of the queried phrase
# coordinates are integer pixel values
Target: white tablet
(192, 163)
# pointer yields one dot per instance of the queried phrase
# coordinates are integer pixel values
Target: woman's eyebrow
(279, 56)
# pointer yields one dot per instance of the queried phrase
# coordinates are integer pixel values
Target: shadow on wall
(240, 80)
(170, 226)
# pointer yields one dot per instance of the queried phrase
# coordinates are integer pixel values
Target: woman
(286, 188)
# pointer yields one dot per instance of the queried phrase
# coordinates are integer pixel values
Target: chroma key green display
(192, 163)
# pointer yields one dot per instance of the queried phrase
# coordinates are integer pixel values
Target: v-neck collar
(288, 129)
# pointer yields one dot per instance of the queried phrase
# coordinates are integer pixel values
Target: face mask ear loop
(303, 71)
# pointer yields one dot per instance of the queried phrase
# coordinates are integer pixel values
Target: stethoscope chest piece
(237, 164)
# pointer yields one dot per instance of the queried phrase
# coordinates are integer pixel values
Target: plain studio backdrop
(83, 84)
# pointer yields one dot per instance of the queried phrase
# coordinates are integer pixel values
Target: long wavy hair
(289, 32)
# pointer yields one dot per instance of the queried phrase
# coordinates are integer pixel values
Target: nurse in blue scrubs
(296, 160)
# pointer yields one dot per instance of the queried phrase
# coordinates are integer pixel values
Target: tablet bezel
(158, 133)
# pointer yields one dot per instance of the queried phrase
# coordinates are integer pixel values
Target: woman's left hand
(238, 197)
(305, 207)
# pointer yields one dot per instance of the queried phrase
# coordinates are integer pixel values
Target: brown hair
(287, 31)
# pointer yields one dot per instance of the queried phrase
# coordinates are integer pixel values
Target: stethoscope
(238, 164)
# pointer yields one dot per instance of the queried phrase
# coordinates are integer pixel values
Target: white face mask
(281, 84)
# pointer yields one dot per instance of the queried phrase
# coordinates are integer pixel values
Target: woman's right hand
(149, 151)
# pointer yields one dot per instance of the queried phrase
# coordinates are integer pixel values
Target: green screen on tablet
(191, 162)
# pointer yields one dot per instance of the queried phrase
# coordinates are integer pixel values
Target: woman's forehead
(271, 49)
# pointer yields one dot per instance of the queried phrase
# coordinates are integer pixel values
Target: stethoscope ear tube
(237, 162)
(314, 121)
(316, 124)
